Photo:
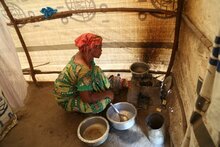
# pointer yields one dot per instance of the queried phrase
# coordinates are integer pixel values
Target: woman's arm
(92, 97)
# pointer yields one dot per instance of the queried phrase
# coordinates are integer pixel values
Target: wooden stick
(176, 36)
(63, 14)
(106, 70)
(25, 72)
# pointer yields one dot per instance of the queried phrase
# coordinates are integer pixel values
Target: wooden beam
(63, 14)
(21, 40)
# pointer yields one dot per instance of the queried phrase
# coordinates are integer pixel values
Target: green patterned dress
(76, 78)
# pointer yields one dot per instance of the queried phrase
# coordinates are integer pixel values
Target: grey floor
(43, 124)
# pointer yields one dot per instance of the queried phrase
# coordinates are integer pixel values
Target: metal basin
(125, 108)
(93, 131)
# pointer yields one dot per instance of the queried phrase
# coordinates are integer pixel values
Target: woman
(82, 86)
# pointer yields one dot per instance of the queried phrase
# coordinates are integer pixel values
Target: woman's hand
(110, 94)
(92, 97)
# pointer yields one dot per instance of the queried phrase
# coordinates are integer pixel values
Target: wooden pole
(63, 14)
(25, 72)
(176, 36)
(21, 40)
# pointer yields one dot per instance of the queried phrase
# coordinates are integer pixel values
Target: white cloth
(12, 81)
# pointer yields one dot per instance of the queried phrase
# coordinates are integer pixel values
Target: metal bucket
(156, 128)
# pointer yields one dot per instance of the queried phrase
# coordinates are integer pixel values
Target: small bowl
(125, 108)
(93, 130)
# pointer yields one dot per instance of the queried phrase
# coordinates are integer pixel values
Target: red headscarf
(87, 41)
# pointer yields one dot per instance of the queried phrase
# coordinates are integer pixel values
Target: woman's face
(97, 50)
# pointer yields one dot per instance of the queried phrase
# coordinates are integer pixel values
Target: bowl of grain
(93, 131)
(126, 109)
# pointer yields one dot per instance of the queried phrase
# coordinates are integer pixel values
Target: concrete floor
(42, 123)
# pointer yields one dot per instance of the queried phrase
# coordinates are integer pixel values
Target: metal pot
(125, 108)
(139, 69)
(93, 131)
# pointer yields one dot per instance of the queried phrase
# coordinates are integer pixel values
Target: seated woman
(82, 86)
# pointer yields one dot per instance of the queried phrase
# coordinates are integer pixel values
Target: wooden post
(21, 40)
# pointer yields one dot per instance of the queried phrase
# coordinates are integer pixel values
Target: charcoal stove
(144, 89)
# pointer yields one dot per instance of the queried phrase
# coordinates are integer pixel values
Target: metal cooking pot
(125, 108)
(139, 69)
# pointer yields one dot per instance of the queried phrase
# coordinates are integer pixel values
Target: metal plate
(167, 83)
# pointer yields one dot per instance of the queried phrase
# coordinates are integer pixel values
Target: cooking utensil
(139, 69)
(156, 128)
(121, 116)
(166, 87)
(167, 83)
(93, 131)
